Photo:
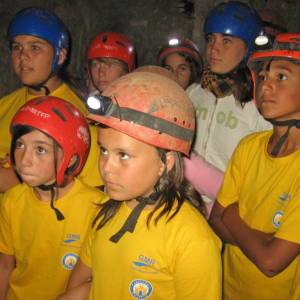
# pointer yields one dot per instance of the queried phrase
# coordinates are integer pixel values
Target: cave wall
(149, 23)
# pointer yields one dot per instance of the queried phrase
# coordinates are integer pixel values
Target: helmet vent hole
(104, 39)
(39, 101)
(175, 119)
(59, 114)
(183, 122)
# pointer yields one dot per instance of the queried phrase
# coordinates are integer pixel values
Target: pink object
(205, 177)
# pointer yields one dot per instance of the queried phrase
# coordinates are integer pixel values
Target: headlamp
(173, 42)
(100, 105)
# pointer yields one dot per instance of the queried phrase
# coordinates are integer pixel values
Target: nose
(23, 157)
(106, 164)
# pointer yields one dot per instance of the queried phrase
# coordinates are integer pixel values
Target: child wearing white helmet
(150, 240)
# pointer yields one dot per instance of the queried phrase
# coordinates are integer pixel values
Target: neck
(60, 192)
(291, 144)
(52, 84)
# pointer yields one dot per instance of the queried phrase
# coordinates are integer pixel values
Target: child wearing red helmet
(258, 207)
(182, 57)
(109, 56)
(150, 240)
(44, 220)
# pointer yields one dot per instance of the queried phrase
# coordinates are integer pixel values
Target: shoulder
(14, 95)
(196, 92)
(15, 195)
(190, 225)
(89, 193)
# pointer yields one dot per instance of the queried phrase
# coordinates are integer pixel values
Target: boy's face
(224, 52)
(129, 168)
(31, 58)
(278, 94)
(35, 158)
(180, 68)
(103, 71)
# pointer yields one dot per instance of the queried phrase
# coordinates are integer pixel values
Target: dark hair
(175, 190)
(196, 68)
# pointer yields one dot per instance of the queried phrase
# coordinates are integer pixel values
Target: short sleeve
(6, 239)
(198, 271)
(86, 252)
(230, 189)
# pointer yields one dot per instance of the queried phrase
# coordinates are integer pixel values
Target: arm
(8, 178)
(270, 254)
(218, 225)
(79, 283)
(7, 264)
(206, 178)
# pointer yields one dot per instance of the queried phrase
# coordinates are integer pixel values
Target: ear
(62, 56)
(72, 161)
(169, 164)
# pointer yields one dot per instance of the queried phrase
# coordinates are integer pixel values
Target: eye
(282, 77)
(41, 150)
(168, 67)
(183, 68)
(103, 151)
(19, 145)
(35, 48)
(209, 39)
(15, 47)
(227, 41)
(124, 156)
(262, 76)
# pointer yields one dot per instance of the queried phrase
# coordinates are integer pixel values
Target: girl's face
(278, 94)
(180, 68)
(224, 52)
(31, 58)
(129, 168)
(103, 71)
(35, 158)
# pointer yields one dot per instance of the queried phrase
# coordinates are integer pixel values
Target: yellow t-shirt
(179, 259)
(268, 192)
(45, 249)
(11, 103)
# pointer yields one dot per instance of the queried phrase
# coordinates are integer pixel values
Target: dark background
(149, 23)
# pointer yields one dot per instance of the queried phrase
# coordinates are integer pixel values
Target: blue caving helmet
(43, 24)
(237, 19)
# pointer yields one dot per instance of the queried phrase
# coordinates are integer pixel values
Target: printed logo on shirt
(69, 260)
(71, 238)
(144, 264)
(277, 218)
(227, 119)
(284, 197)
(140, 289)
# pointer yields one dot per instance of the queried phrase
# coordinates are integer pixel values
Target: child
(39, 245)
(39, 46)
(150, 240)
(223, 101)
(182, 57)
(109, 56)
(258, 206)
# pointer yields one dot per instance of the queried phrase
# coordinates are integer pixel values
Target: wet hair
(196, 68)
(174, 190)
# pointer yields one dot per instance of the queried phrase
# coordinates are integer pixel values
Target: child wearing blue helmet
(223, 101)
(39, 43)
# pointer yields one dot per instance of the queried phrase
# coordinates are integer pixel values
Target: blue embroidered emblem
(140, 289)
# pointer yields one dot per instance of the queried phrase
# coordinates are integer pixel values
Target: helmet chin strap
(50, 187)
(290, 123)
(132, 219)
